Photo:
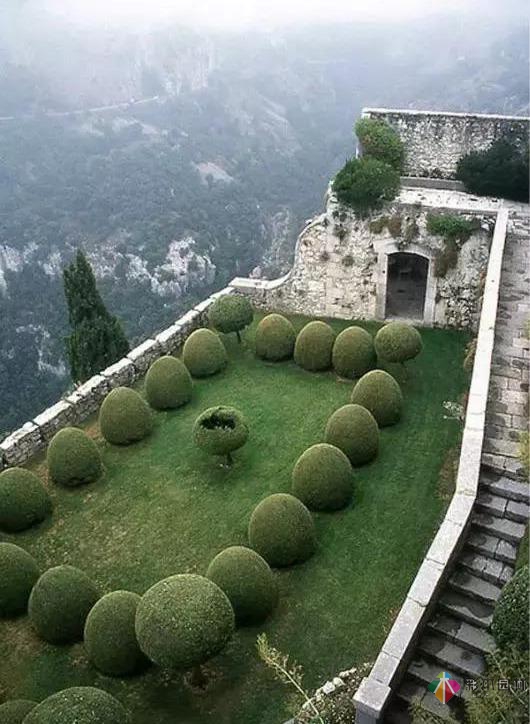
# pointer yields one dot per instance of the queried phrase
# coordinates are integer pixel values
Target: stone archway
(406, 285)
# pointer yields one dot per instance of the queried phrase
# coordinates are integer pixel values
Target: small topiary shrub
(398, 342)
(365, 184)
(353, 352)
(323, 478)
(79, 705)
(60, 602)
(110, 638)
(168, 383)
(247, 580)
(18, 574)
(275, 338)
(124, 417)
(73, 458)
(15, 711)
(379, 140)
(381, 395)
(510, 617)
(282, 530)
(220, 431)
(204, 353)
(501, 170)
(353, 429)
(231, 313)
(23, 500)
(314, 346)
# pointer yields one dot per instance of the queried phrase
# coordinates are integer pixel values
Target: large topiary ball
(18, 574)
(380, 393)
(275, 338)
(282, 530)
(353, 352)
(220, 430)
(183, 621)
(73, 458)
(60, 602)
(510, 617)
(204, 353)
(110, 638)
(247, 580)
(168, 383)
(398, 342)
(323, 478)
(231, 313)
(15, 711)
(79, 705)
(313, 347)
(23, 500)
(353, 430)
(124, 417)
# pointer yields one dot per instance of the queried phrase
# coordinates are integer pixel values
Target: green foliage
(168, 383)
(422, 715)
(524, 451)
(275, 338)
(381, 395)
(353, 352)
(379, 140)
(247, 580)
(73, 458)
(59, 604)
(23, 500)
(14, 711)
(365, 184)
(398, 342)
(124, 417)
(469, 359)
(501, 170)
(523, 554)
(313, 346)
(452, 227)
(510, 618)
(18, 574)
(353, 429)
(323, 478)
(231, 313)
(204, 353)
(79, 705)
(282, 530)
(220, 430)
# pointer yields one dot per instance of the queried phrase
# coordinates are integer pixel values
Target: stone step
(486, 502)
(452, 657)
(517, 511)
(485, 567)
(474, 586)
(462, 633)
(510, 469)
(491, 546)
(505, 487)
(410, 690)
(508, 530)
(467, 609)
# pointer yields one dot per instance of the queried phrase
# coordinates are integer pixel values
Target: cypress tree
(97, 339)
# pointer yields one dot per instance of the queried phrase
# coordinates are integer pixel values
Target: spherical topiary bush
(353, 352)
(23, 500)
(79, 705)
(18, 574)
(313, 346)
(353, 430)
(15, 711)
(60, 602)
(247, 580)
(168, 384)
(231, 313)
(275, 338)
(110, 638)
(282, 530)
(323, 478)
(124, 417)
(204, 353)
(398, 342)
(510, 617)
(220, 430)
(381, 395)
(73, 458)
(183, 621)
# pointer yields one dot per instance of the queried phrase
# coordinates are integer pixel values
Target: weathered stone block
(426, 583)
(171, 338)
(189, 322)
(18, 447)
(144, 354)
(121, 373)
(87, 397)
(446, 542)
(54, 418)
(405, 629)
(370, 700)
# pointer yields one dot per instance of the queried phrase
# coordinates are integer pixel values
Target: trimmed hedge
(379, 140)
(23, 500)
(313, 346)
(354, 430)
(281, 529)
(168, 383)
(109, 636)
(247, 580)
(231, 313)
(15, 711)
(220, 430)
(204, 353)
(365, 184)
(60, 602)
(275, 338)
(79, 705)
(381, 395)
(510, 617)
(183, 621)
(18, 574)
(398, 342)
(124, 417)
(353, 352)
(73, 458)
(323, 478)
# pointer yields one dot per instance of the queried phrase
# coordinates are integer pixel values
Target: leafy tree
(379, 140)
(501, 170)
(365, 184)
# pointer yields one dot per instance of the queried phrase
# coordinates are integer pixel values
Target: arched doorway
(406, 285)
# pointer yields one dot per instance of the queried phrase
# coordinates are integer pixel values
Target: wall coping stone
(455, 114)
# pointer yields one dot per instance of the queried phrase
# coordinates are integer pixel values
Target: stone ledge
(370, 700)
(121, 373)
(171, 338)
(21, 444)
(55, 417)
(88, 396)
(144, 354)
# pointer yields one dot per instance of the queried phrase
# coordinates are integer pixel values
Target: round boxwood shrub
(18, 574)
(380, 393)
(313, 346)
(15, 711)
(354, 430)
(231, 313)
(353, 352)
(247, 580)
(510, 617)
(79, 705)
(183, 621)
(60, 602)
(323, 478)
(168, 383)
(220, 430)
(204, 353)
(110, 638)
(275, 338)
(23, 500)
(282, 530)
(398, 342)
(73, 458)
(124, 417)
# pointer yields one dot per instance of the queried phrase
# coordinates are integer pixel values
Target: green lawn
(163, 507)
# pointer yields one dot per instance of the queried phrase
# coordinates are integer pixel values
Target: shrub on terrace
(381, 395)
(353, 352)
(79, 705)
(379, 140)
(365, 184)
(124, 417)
(23, 500)
(510, 617)
(353, 430)
(313, 347)
(501, 170)
(15, 711)
(220, 430)
(204, 353)
(275, 338)
(18, 574)
(398, 342)
(231, 313)
(168, 383)
(323, 478)
(73, 458)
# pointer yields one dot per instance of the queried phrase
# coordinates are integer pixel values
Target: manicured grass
(164, 507)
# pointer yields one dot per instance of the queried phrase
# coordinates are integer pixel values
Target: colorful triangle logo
(444, 687)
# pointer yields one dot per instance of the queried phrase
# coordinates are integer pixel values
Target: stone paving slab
(508, 530)
(466, 608)
(462, 633)
(474, 586)
(453, 657)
